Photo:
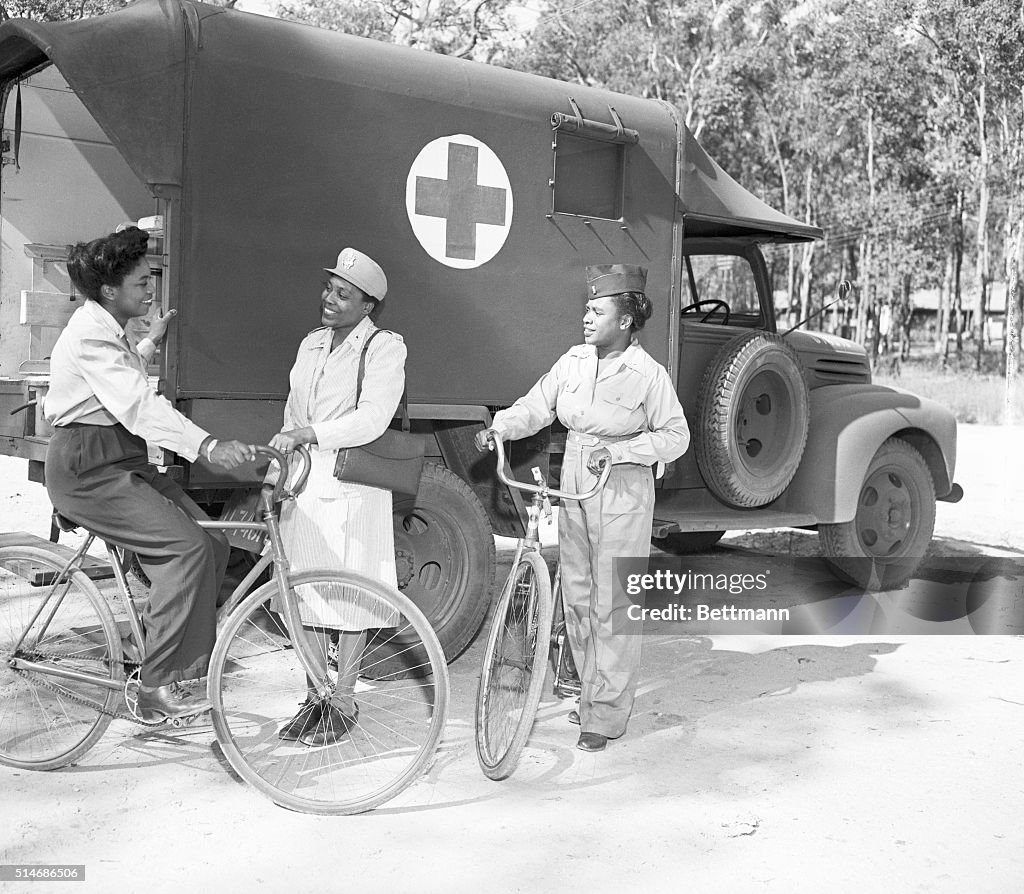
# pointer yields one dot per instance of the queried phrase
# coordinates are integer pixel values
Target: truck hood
(829, 359)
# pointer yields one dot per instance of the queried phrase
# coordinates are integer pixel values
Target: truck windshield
(727, 278)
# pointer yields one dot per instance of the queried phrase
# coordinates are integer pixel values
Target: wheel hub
(885, 516)
(405, 565)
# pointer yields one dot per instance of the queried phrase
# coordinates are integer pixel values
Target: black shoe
(332, 727)
(592, 742)
(306, 719)
(574, 717)
(167, 702)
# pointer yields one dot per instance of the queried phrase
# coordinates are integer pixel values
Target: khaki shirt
(631, 394)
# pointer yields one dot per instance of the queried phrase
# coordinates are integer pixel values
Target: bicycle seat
(64, 523)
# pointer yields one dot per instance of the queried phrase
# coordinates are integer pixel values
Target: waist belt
(598, 440)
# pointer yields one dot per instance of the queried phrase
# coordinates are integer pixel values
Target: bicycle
(64, 670)
(519, 640)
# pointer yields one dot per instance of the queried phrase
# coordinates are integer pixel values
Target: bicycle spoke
(49, 721)
(400, 694)
(513, 670)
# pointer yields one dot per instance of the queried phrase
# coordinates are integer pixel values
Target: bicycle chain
(74, 696)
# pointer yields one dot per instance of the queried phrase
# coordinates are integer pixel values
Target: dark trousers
(100, 477)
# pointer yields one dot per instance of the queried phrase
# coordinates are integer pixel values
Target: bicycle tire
(514, 665)
(256, 680)
(43, 722)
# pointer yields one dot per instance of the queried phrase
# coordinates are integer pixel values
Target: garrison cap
(362, 271)
(614, 279)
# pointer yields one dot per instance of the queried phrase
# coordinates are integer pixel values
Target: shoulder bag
(394, 461)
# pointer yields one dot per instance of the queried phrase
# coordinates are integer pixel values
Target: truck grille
(838, 370)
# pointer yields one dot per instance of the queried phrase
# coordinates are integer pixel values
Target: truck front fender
(848, 425)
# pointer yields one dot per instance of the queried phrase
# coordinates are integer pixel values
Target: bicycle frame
(270, 497)
(541, 502)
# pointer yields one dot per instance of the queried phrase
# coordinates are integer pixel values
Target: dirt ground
(752, 763)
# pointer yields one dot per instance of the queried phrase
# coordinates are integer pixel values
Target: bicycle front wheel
(257, 682)
(54, 711)
(514, 664)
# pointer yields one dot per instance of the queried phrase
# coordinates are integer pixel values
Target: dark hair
(635, 305)
(378, 306)
(105, 261)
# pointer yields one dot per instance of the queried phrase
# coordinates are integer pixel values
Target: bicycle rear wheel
(257, 681)
(515, 661)
(48, 719)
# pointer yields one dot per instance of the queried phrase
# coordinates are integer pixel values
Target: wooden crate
(39, 576)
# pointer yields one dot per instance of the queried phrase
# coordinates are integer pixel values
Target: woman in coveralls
(619, 407)
(332, 523)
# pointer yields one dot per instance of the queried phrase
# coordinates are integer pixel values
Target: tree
(58, 10)
(980, 46)
(463, 28)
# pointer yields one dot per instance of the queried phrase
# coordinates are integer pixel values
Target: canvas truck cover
(277, 144)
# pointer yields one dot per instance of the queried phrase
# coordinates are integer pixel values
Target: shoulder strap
(403, 405)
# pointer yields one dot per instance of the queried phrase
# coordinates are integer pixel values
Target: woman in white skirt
(332, 523)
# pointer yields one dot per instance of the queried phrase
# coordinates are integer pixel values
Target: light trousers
(605, 642)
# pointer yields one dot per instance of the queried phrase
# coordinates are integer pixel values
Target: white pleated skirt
(350, 530)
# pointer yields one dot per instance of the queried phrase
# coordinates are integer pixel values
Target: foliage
(464, 28)
(58, 10)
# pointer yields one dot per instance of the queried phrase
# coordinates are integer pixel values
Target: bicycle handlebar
(544, 490)
(280, 492)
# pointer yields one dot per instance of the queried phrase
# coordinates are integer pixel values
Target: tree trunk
(865, 298)
(982, 273)
(864, 292)
(942, 311)
(958, 267)
(1014, 318)
(807, 255)
(906, 318)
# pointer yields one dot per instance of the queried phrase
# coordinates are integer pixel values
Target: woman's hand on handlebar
(287, 441)
(597, 460)
(229, 454)
(483, 439)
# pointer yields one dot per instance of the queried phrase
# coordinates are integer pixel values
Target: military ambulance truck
(254, 149)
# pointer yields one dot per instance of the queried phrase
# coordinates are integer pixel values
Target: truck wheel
(886, 541)
(752, 420)
(444, 549)
(685, 543)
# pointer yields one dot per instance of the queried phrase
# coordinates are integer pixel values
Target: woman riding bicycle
(98, 474)
(619, 407)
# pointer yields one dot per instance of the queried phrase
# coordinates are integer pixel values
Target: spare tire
(752, 420)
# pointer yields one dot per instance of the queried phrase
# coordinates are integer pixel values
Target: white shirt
(631, 394)
(322, 393)
(97, 377)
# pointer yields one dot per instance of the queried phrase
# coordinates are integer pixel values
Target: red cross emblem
(459, 201)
